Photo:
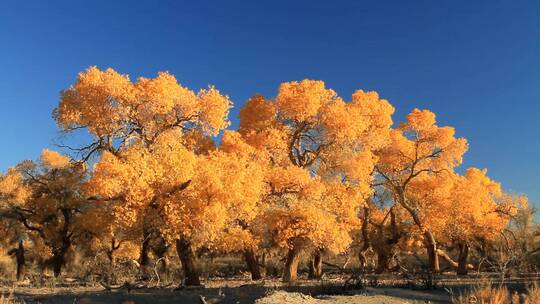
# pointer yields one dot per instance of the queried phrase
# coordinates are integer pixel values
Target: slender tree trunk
(366, 241)
(290, 273)
(362, 260)
(433, 257)
(315, 266)
(463, 257)
(187, 258)
(144, 259)
(252, 264)
(19, 255)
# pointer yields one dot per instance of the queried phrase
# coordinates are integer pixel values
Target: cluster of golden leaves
(108, 103)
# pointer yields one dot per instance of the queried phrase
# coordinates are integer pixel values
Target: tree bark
(450, 261)
(187, 258)
(366, 240)
(115, 245)
(462, 260)
(59, 259)
(383, 261)
(290, 273)
(144, 259)
(433, 257)
(252, 264)
(160, 249)
(19, 258)
(315, 266)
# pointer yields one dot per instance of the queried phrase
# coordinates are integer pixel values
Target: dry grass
(487, 294)
(10, 299)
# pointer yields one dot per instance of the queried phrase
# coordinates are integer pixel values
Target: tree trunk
(252, 264)
(433, 257)
(463, 257)
(19, 255)
(315, 266)
(160, 250)
(383, 261)
(58, 261)
(290, 273)
(144, 259)
(187, 258)
(363, 260)
(366, 241)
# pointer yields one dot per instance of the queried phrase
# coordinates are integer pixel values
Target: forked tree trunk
(463, 257)
(252, 264)
(115, 245)
(160, 250)
(290, 273)
(433, 257)
(187, 258)
(315, 266)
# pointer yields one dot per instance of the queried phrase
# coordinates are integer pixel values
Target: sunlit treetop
(318, 153)
(420, 146)
(119, 112)
(308, 125)
(54, 160)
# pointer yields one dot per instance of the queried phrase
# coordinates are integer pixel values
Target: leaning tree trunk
(252, 264)
(315, 266)
(144, 259)
(290, 273)
(433, 257)
(187, 258)
(463, 257)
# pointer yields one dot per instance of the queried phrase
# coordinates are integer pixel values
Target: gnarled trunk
(433, 257)
(115, 245)
(59, 259)
(187, 258)
(462, 259)
(252, 264)
(290, 273)
(315, 266)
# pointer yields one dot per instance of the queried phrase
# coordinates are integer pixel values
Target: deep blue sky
(475, 63)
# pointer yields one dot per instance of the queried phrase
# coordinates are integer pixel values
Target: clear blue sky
(475, 63)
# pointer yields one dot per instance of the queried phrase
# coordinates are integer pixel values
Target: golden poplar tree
(149, 134)
(318, 152)
(419, 149)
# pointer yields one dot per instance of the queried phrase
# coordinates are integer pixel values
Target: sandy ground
(231, 292)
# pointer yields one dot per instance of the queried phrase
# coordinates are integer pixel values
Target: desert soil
(224, 293)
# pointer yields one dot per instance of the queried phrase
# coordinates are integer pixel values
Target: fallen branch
(450, 261)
